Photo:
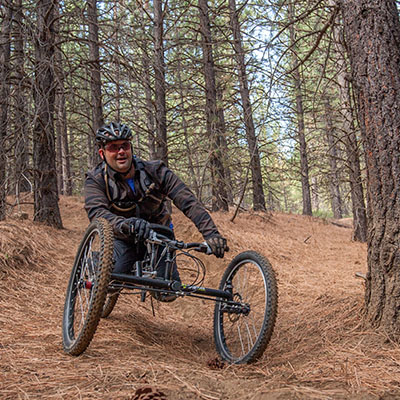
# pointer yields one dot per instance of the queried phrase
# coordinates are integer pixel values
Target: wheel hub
(236, 307)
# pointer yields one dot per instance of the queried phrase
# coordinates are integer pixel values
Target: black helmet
(113, 131)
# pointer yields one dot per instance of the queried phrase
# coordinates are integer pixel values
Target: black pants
(126, 254)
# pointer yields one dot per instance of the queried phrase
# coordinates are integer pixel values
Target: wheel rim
(240, 333)
(84, 282)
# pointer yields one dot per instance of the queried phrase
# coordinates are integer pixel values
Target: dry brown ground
(321, 347)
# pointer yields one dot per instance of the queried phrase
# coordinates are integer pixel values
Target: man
(128, 191)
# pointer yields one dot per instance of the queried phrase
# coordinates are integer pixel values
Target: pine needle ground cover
(321, 347)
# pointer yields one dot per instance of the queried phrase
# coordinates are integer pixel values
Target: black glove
(139, 228)
(217, 245)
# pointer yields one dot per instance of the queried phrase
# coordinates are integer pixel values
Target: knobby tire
(87, 288)
(109, 304)
(241, 338)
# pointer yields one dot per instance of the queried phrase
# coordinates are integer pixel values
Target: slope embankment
(321, 347)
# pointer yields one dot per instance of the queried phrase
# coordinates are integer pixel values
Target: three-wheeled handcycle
(245, 302)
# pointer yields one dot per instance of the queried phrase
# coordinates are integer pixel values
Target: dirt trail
(321, 347)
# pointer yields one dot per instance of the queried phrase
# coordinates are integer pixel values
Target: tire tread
(78, 345)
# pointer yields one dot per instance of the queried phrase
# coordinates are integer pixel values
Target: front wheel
(241, 334)
(87, 288)
(109, 304)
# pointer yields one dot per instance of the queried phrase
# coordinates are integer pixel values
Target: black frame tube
(207, 292)
(170, 285)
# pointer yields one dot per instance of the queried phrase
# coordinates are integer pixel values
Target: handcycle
(245, 302)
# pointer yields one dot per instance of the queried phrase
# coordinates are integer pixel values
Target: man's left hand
(217, 245)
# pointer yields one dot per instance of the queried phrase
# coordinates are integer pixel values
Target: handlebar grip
(205, 248)
(124, 228)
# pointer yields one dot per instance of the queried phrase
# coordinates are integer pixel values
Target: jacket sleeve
(97, 204)
(185, 200)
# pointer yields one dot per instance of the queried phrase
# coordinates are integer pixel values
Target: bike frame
(138, 281)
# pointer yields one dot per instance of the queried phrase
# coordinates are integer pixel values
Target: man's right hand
(138, 227)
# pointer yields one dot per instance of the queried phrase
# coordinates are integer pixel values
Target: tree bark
(193, 176)
(350, 141)
(161, 146)
(255, 164)
(95, 78)
(45, 178)
(219, 192)
(315, 193)
(224, 144)
(372, 31)
(63, 156)
(21, 136)
(149, 108)
(146, 68)
(116, 58)
(334, 180)
(301, 137)
(5, 50)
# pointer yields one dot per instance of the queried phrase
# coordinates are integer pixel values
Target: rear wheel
(87, 288)
(242, 333)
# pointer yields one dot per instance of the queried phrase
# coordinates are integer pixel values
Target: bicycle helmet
(113, 131)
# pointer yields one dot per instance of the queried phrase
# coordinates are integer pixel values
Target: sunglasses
(115, 148)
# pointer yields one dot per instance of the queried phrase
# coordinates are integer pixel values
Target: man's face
(118, 155)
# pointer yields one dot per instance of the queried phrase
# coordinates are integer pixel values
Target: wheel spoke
(250, 340)
(253, 324)
(240, 339)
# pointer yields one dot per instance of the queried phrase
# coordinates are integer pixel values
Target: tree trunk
(271, 199)
(224, 144)
(315, 193)
(5, 47)
(161, 146)
(60, 188)
(180, 89)
(146, 68)
(63, 156)
(62, 133)
(117, 61)
(45, 178)
(219, 192)
(353, 162)
(350, 141)
(372, 31)
(255, 164)
(301, 137)
(21, 136)
(95, 79)
(149, 108)
(334, 181)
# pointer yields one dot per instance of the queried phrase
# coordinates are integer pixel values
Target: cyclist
(128, 191)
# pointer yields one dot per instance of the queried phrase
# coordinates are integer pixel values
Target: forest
(250, 103)
(284, 105)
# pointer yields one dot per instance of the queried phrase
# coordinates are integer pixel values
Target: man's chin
(122, 169)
